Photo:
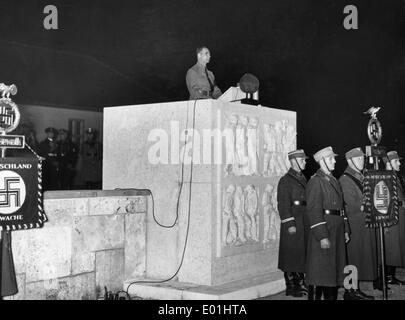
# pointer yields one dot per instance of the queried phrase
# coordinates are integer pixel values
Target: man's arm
(216, 93)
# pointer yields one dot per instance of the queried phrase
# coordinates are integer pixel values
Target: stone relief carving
(253, 143)
(228, 220)
(240, 216)
(252, 212)
(279, 139)
(242, 143)
(270, 214)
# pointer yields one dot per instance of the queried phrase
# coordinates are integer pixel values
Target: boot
(330, 293)
(311, 292)
(299, 283)
(391, 279)
(326, 293)
(334, 293)
(289, 283)
(351, 294)
(363, 295)
(319, 292)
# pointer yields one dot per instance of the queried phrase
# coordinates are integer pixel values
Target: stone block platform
(247, 289)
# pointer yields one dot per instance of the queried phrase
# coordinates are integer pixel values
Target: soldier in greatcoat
(67, 157)
(329, 230)
(395, 235)
(48, 149)
(92, 154)
(293, 234)
(361, 249)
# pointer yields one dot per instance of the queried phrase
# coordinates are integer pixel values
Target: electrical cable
(181, 181)
(188, 214)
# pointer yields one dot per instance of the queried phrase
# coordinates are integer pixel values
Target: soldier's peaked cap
(324, 153)
(297, 154)
(392, 155)
(51, 129)
(353, 153)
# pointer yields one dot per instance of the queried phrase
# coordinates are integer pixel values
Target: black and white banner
(380, 198)
(21, 194)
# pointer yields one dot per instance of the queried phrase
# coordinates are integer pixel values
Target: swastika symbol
(12, 192)
(9, 192)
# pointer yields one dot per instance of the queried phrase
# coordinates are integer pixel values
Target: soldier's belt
(299, 203)
(52, 154)
(332, 212)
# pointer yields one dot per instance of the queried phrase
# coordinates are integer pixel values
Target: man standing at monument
(395, 235)
(67, 157)
(361, 249)
(326, 252)
(92, 160)
(293, 235)
(48, 149)
(200, 81)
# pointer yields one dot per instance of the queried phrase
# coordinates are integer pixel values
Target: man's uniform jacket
(291, 207)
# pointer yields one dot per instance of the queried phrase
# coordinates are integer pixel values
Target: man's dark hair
(199, 49)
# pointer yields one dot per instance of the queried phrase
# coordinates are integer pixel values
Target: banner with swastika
(21, 194)
(380, 198)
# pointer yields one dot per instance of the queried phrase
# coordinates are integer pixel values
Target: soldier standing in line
(48, 149)
(329, 230)
(67, 157)
(293, 235)
(92, 160)
(395, 235)
(361, 249)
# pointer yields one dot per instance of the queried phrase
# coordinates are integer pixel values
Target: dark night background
(131, 52)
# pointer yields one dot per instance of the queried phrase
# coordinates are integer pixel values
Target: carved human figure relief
(269, 147)
(228, 228)
(278, 135)
(266, 155)
(251, 210)
(252, 146)
(230, 147)
(274, 227)
(239, 213)
(266, 204)
(241, 146)
(290, 138)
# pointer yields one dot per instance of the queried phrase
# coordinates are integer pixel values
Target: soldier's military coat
(92, 161)
(292, 250)
(67, 157)
(361, 249)
(395, 235)
(48, 150)
(324, 267)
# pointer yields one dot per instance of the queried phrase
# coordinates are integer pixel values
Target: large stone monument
(213, 164)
